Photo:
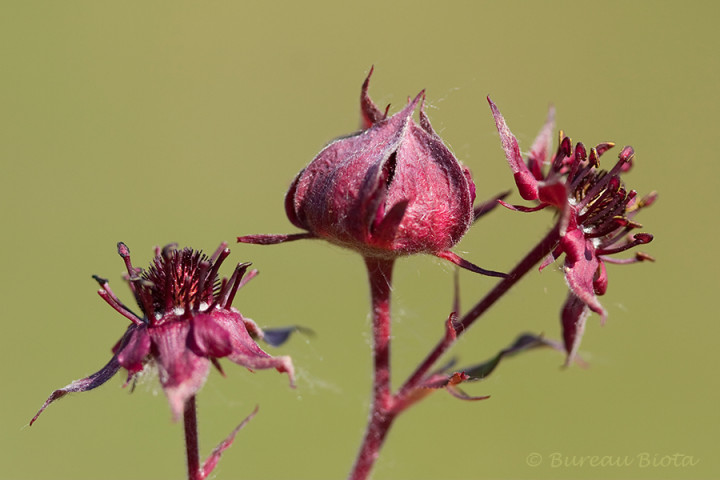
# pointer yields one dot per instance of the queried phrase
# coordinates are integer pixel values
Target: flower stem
(386, 406)
(533, 257)
(191, 440)
(381, 411)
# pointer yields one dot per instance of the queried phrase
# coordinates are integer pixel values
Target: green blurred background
(159, 122)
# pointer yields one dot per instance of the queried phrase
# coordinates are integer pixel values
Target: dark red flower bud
(391, 189)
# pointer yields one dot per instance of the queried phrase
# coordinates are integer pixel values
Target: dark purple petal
(273, 336)
(573, 317)
(277, 336)
(182, 372)
(83, 385)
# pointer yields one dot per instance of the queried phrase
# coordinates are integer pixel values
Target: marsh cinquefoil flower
(596, 214)
(186, 322)
(391, 189)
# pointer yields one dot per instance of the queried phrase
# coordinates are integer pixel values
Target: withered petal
(83, 385)
(278, 336)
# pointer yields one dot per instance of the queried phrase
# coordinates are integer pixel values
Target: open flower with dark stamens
(392, 189)
(186, 323)
(595, 219)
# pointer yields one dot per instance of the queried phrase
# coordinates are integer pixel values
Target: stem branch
(540, 251)
(386, 406)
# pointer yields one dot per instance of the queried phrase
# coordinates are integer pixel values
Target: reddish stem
(191, 440)
(541, 250)
(381, 411)
(386, 406)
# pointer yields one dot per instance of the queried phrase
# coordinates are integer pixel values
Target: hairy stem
(381, 411)
(386, 406)
(533, 257)
(191, 440)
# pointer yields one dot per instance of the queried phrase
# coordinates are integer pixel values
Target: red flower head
(596, 213)
(391, 189)
(187, 322)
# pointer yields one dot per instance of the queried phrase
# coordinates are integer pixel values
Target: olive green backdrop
(159, 122)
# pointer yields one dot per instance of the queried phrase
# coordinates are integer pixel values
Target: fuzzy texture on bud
(391, 189)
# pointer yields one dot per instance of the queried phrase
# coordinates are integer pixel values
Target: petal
(554, 193)
(136, 347)
(83, 385)
(182, 372)
(573, 316)
(525, 180)
(581, 265)
(245, 351)
(207, 338)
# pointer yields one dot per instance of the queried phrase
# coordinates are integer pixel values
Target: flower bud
(391, 189)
